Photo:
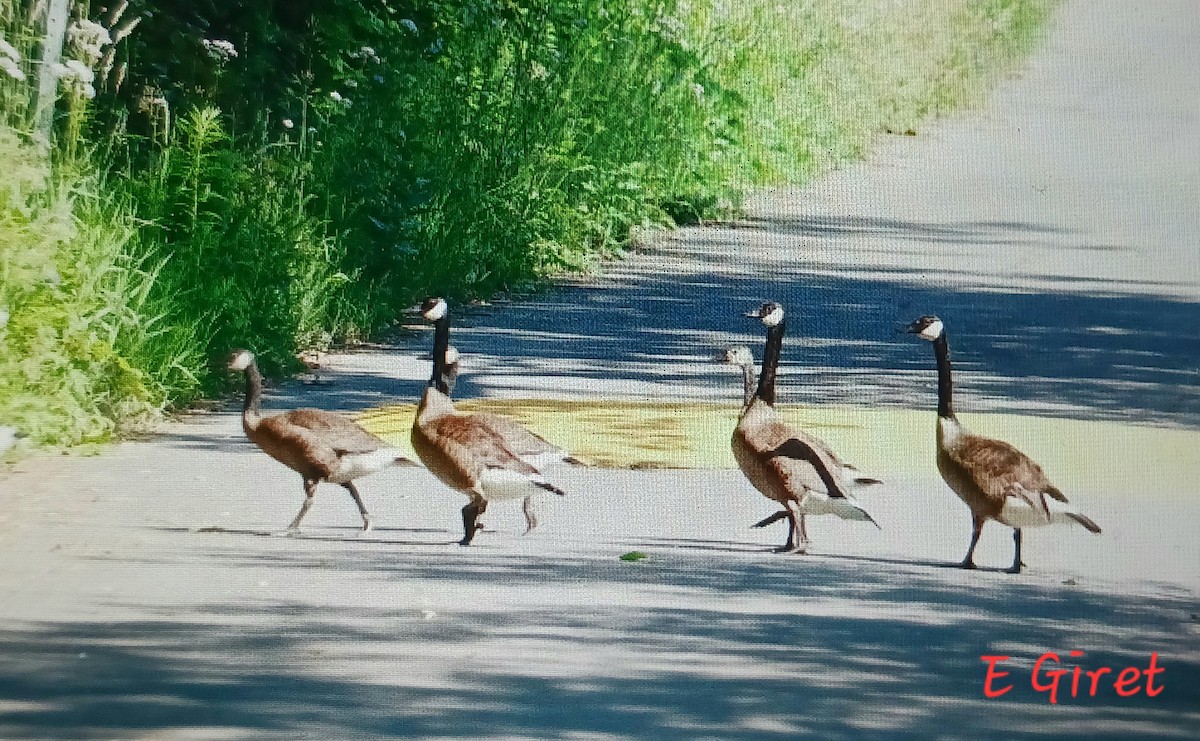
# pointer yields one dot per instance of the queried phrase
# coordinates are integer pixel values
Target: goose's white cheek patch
(933, 331)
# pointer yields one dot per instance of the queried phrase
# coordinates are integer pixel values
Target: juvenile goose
(319, 445)
(528, 446)
(846, 473)
(469, 453)
(786, 465)
(994, 479)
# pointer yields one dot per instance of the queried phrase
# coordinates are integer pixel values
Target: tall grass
(73, 294)
(279, 178)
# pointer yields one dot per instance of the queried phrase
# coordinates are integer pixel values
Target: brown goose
(994, 479)
(468, 452)
(319, 445)
(847, 474)
(528, 446)
(784, 464)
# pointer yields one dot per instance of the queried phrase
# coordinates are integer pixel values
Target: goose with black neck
(317, 444)
(471, 453)
(994, 479)
(786, 465)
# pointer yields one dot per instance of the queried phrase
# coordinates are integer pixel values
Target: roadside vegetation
(283, 176)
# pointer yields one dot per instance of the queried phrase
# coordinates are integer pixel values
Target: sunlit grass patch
(1112, 457)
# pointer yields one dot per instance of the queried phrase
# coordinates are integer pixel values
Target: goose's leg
(310, 490)
(791, 546)
(530, 516)
(976, 529)
(362, 508)
(470, 514)
(803, 535)
(1016, 565)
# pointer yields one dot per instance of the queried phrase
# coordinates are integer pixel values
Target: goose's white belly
(820, 503)
(356, 465)
(500, 484)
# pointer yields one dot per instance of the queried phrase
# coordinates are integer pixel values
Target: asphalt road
(147, 594)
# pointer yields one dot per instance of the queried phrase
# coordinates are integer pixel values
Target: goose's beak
(909, 328)
(756, 314)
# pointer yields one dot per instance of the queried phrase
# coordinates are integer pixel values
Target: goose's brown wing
(999, 469)
(519, 440)
(338, 432)
(472, 443)
(790, 454)
(296, 447)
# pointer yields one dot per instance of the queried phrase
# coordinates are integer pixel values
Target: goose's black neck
(766, 382)
(251, 405)
(941, 348)
(441, 341)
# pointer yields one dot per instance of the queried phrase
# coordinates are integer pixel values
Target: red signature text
(1050, 677)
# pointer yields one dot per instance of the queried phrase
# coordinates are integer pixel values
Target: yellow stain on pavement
(1102, 455)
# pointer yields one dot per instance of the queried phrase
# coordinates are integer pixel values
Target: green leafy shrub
(278, 175)
(73, 296)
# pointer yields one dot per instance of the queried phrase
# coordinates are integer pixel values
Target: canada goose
(784, 464)
(744, 361)
(469, 452)
(846, 473)
(319, 445)
(528, 446)
(994, 479)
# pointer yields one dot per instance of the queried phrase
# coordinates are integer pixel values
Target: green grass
(356, 157)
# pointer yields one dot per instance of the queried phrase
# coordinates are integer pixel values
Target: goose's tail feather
(1085, 521)
(549, 487)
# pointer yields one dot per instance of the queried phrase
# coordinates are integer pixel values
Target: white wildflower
(287, 123)
(368, 51)
(312, 129)
(351, 83)
(8, 50)
(80, 71)
(88, 38)
(9, 66)
(698, 90)
(336, 96)
(59, 70)
(220, 50)
(537, 71)
(87, 90)
(409, 25)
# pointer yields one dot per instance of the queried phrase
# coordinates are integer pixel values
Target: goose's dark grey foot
(531, 520)
(1016, 565)
(967, 564)
(310, 491)
(471, 524)
(358, 502)
(798, 548)
(770, 519)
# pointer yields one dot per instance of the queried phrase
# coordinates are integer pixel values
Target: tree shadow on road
(734, 648)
